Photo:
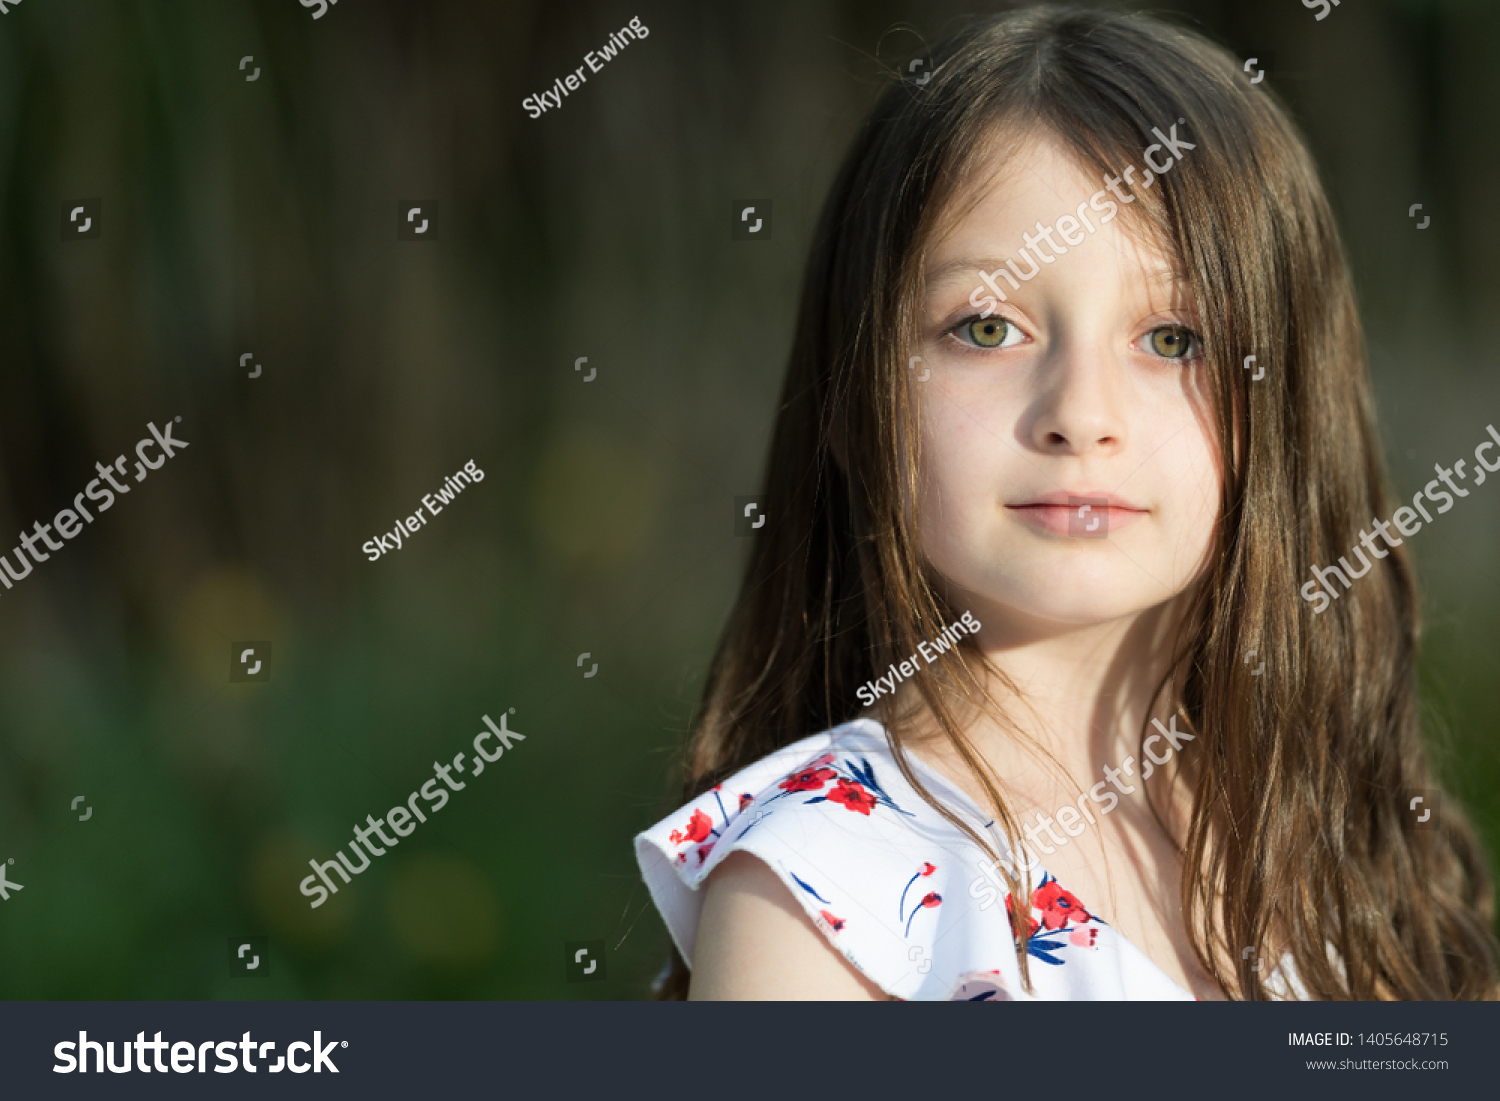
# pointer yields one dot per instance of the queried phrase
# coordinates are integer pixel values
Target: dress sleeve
(679, 852)
(872, 865)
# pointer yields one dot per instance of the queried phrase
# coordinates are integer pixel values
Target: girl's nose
(1078, 407)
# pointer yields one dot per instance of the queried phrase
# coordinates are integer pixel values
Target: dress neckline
(950, 790)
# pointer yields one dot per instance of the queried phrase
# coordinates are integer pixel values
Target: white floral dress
(909, 899)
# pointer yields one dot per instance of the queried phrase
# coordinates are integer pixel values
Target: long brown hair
(1298, 777)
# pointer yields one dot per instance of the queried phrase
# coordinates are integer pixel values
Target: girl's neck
(1081, 697)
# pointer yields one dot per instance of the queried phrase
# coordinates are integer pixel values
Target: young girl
(1077, 401)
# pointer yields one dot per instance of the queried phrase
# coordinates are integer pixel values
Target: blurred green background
(260, 216)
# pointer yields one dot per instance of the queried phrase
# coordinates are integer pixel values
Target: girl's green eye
(988, 333)
(1171, 342)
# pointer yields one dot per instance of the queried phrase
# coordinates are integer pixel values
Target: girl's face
(1069, 469)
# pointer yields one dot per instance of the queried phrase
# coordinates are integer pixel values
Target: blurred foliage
(260, 216)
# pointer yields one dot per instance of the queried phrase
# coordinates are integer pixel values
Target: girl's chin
(1068, 604)
(1063, 582)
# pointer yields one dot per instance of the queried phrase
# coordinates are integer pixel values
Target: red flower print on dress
(928, 902)
(703, 851)
(698, 829)
(853, 796)
(1015, 923)
(927, 868)
(1052, 933)
(809, 779)
(745, 800)
(834, 923)
(1058, 906)
(857, 787)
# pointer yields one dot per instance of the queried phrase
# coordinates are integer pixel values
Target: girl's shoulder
(871, 862)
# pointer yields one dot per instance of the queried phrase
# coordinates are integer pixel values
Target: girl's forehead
(1017, 171)
(1025, 186)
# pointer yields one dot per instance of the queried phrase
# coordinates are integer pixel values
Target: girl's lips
(1084, 521)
